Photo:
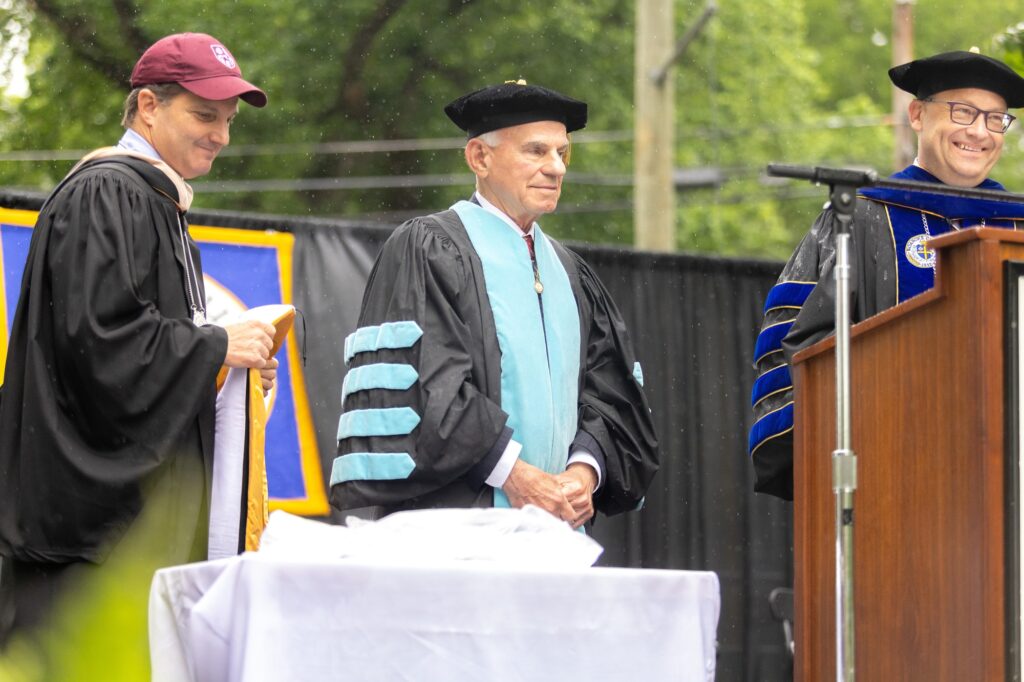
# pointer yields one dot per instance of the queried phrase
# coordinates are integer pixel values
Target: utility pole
(904, 141)
(654, 206)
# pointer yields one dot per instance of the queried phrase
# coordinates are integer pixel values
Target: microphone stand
(843, 184)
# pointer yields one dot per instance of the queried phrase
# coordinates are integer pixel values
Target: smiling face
(187, 131)
(522, 174)
(956, 154)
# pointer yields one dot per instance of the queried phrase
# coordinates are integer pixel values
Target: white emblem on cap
(223, 56)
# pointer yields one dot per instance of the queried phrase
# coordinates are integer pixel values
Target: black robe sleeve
(771, 437)
(133, 372)
(614, 414)
(423, 277)
(799, 312)
(872, 280)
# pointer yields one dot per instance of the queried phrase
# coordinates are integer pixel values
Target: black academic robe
(109, 388)
(428, 272)
(801, 311)
(886, 270)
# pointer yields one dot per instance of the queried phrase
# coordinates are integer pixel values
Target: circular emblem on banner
(224, 307)
(919, 253)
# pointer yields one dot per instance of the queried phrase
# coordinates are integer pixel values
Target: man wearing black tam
(960, 117)
(490, 367)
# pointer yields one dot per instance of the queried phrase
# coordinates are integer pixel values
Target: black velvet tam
(951, 70)
(514, 103)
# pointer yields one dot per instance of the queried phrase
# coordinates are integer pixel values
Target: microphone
(822, 175)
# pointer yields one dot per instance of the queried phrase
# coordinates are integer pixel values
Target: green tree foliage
(366, 70)
(744, 103)
(853, 41)
(805, 82)
(797, 81)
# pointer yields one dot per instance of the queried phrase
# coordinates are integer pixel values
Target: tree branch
(127, 12)
(352, 99)
(352, 96)
(456, 6)
(80, 38)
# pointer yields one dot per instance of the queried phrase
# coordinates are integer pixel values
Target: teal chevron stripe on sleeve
(389, 376)
(388, 421)
(371, 466)
(388, 335)
(638, 373)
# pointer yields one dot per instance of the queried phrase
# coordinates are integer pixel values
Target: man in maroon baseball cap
(109, 391)
(185, 92)
(200, 64)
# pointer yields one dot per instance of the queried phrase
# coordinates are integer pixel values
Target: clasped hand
(568, 495)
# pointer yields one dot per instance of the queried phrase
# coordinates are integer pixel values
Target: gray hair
(491, 138)
(164, 92)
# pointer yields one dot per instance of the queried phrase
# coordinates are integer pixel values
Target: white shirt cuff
(504, 466)
(585, 457)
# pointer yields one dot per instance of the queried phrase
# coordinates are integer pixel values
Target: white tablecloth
(257, 618)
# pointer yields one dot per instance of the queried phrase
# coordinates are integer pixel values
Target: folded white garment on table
(527, 537)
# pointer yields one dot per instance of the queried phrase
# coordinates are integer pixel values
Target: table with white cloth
(255, 617)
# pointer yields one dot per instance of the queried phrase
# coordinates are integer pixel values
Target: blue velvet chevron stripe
(388, 421)
(381, 375)
(371, 466)
(638, 373)
(772, 424)
(772, 381)
(788, 295)
(388, 335)
(770, 339)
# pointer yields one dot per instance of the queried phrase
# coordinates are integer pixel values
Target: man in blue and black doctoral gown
(960, 116)
(490, 367)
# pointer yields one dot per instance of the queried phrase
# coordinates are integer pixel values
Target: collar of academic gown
(183, 200)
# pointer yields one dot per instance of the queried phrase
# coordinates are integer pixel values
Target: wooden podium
(935, 418)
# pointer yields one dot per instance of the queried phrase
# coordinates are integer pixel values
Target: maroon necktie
(537, 286)
(529, 245)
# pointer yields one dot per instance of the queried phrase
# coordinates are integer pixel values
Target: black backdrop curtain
(694, 320)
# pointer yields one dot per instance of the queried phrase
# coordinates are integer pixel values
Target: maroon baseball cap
(200, 64)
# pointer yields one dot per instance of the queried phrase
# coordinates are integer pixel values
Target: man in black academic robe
(107, 410)
(960, 115)
(490, 366)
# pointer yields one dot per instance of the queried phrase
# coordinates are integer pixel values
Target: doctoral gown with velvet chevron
(431, 377)
(891, 263)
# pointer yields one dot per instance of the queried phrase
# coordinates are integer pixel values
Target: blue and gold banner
(243, 269)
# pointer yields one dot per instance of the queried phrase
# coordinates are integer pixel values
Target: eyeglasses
(965, 115)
